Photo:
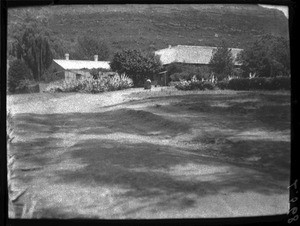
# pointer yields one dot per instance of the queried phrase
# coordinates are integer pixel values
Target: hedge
(194, 85)
(260, 83)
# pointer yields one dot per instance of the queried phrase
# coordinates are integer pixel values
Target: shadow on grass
(122, 120)
(150, 171)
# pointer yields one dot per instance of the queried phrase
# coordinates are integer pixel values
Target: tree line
(267, 56)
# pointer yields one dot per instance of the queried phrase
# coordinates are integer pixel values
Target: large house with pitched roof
(191, 55)
(194, 55)
(74, 69)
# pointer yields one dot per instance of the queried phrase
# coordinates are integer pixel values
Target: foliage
(176, 72)
(17, 72)
(87, 46)
(222, 62)
(52, 75)
(183, 85)
(90, 85)
(222, 84)
(239, 84)
(208, 85)
(277, 83)
(95, 72)
(28, 86)
(194, 84)
(30, 43)
(268, 56)
(203, 72)
(260, 83)
(136, 64)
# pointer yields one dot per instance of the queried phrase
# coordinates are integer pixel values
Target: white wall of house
(74, 74)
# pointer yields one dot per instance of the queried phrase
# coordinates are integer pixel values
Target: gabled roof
(190, 54)
(80, 64)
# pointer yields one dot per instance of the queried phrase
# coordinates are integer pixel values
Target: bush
(260, 83)
(239, 84)
(183, 85)
(194, 84)
(203, 72)
(208, 85)
(222, 84)
(278, 83)
(28, 86)
(17, 72)
(90, 85)
(50, 76)
(257, 83)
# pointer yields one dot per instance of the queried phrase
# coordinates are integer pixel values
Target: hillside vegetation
(152, 27)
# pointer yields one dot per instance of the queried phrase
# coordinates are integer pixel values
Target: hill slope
(152, 27)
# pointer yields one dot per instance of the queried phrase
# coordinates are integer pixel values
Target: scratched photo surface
(148, 111)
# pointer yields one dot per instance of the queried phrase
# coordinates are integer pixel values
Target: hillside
(152, 27)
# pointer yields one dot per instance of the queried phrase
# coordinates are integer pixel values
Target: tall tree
(136, 64)
(222, 62)
(17, 72)
(267, 56)
(30, 42)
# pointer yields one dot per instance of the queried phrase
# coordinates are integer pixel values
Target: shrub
(27, 86)
(194, 84)
(90, 85)
(260, 83)
(222, 84)
(50, 76)
(257, 83)
(17, 72)
(203, 72)
(278, 83)
(239, 84)
(183, 85)
(208, 85)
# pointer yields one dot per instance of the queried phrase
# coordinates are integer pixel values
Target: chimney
(67, 56)
(95, 57)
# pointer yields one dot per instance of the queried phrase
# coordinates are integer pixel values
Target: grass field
(152, 154)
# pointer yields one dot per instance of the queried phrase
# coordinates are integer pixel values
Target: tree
(136, 64)
(17, 72)
(222, 62)
(268, 56)
(86, 47)
(30, 43)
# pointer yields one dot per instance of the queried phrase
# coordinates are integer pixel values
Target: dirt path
(119, 155)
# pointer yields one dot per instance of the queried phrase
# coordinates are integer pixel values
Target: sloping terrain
(158, 154)
(152, 27)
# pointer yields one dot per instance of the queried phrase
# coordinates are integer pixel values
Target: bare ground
(152, 154)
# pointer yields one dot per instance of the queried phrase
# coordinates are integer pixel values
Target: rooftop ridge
(81, 60)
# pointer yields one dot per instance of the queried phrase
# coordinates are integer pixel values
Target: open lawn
(152, 154)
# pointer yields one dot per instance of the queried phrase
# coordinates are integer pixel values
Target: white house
(74, 69)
